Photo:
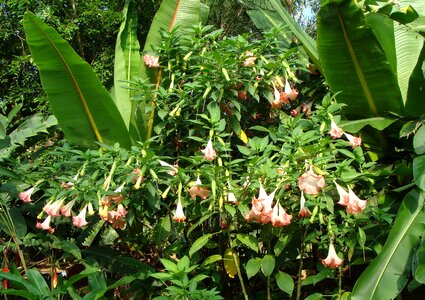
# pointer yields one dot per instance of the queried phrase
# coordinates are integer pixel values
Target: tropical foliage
(270, 164)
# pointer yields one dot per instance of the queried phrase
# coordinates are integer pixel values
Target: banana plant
(85, 111)
(373, 59)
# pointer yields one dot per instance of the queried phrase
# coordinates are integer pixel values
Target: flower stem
(269, 294)
(238, 268)
(300, 268)
(340, 282)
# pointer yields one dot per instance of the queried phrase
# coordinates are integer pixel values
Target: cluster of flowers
(56, 208)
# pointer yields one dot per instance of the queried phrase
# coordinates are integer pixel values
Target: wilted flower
(26, 196)
(151, 61)
(66, 209)
(198, 190)
(209, 152)
(173, 169)
(311, 183)
(53, 209)
(279, 216)
(179, 214)
(332, 260)
(250, 60)
(45, 225)
(335, 132)
(80, 220)
(304, 211)
(353, 140)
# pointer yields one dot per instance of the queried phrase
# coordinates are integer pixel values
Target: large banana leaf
(126, 67)
(402, 47)
(354, 63)
(386, 276)
(183, 14)
(263, 18)
(83, 107)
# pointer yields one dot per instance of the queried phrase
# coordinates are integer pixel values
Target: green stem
(300, 268)
(340, 283)
(7, 219)
(269, 292)
(238, 268)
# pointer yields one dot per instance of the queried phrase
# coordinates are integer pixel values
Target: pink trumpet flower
(335, 132)
(45, 225)
(151, 61)
(80, 220)
(53, 209)
(353, 140)
(350, 200)
(26, 196)
(304, 211)
(209, 152)
(332, 260)
(179, 214)
(311, 183)
(66, 209)
(279, 216)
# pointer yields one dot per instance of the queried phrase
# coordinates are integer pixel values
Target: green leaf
(419, 171)
(279, 16)
(406, 15)
(162, 230)
(402, 47)
(116, 263)
(387, 275)
(322, 275)
(367, 83)
(212, 259)
(97, 281)
(169, 265)
(38, 282)
(83, 107)
(2, 131)
(68, 283)
(252, 267)
(267, 264)
(419, 272)
(71, 248)
(356, 125)
(419, 141)
(171, 14)
(281, 243)
(126, 67)
(19, 293)
(415, 104)
(248, 240)
(199, 243)
(285, 282)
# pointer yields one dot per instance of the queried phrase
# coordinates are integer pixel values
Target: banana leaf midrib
(72, 77)
(356, 64)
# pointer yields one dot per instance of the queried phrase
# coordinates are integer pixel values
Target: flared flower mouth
(311, 183)
(332, 260)
(179, 214)
(336, 132)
